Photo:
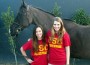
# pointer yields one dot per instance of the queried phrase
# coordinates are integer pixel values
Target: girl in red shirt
(37, 46)
(59, 44)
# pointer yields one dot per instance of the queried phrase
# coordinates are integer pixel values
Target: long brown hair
(61, 30)
(35, 39)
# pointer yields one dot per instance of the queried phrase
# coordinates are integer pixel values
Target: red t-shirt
(40, 58)
(57, 53)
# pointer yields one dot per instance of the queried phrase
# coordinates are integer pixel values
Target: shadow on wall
(6, 56)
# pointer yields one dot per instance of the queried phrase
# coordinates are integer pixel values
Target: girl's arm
(25, 55)
(67, 55)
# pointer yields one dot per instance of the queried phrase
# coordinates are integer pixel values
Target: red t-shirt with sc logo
(40, 57)
(57, 53)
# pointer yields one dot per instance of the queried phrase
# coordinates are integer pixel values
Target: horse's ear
(24, 4)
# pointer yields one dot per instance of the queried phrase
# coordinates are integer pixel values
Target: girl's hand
(49, 64)
(29, 60)
(67, 64)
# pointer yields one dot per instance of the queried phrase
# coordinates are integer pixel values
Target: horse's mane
(24, 5)
(42, 10)
(68, 19)
(81, 26)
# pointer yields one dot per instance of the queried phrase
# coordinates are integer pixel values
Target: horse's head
(22, 20)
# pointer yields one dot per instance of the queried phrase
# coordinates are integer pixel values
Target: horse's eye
(24, 13)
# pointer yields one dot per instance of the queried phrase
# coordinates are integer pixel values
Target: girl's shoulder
(49, 32)
(30, 40)
(66, 35)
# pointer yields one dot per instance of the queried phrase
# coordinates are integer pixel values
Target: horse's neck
(41, 17)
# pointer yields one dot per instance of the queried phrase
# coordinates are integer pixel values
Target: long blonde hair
(61, 30)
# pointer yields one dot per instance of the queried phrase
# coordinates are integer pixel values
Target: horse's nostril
(19, 29)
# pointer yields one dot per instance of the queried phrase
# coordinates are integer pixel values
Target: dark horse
(80, 35)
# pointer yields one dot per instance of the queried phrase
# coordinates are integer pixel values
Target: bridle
(21, 26)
